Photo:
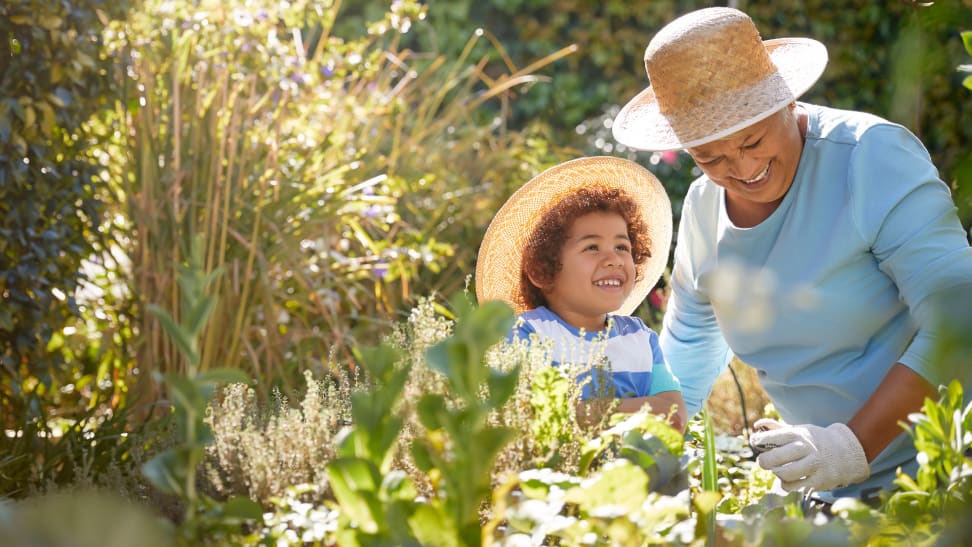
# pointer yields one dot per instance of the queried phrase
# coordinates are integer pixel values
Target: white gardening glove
(809, 456)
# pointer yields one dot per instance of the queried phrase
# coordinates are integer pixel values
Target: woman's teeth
(757, 177)
(608, 283)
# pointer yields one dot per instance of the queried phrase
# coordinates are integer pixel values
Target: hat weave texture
(711, 75)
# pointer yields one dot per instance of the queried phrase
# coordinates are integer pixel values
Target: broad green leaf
(431, 411)
(355, 484)
(168, 471)
(243, 508)
(396, 485)
(184, 393)
(502, 385)
(431, 527)
(619, 483)
(379, 361)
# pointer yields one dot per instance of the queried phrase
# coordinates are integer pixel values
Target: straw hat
(501, 254)
(711, 75)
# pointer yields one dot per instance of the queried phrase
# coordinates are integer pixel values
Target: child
(574, 251)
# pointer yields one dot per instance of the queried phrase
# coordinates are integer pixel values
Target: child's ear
(534, 279)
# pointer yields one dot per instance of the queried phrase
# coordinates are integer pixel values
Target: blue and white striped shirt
(637, 365)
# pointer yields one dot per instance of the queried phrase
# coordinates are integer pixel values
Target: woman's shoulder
(849, 127)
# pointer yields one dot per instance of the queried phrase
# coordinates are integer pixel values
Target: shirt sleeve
(521, 330)
(690, 338)
(662, 378)
(906, 214)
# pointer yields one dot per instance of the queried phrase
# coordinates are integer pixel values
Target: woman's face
(755, 165)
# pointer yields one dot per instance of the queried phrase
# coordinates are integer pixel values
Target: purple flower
(379, 270)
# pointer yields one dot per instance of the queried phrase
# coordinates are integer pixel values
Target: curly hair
(541, 254)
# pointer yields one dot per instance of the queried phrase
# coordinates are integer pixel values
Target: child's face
(597, 272)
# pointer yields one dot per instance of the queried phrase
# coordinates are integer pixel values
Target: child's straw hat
(501, 254)
(711, 75)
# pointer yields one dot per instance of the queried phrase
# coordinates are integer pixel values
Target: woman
(813, 247)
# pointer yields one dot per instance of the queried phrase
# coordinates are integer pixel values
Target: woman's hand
(810, 456)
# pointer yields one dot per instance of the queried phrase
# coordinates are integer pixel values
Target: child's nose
(613, 258)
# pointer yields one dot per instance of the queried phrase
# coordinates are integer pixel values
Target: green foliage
(91, 448)
(550, 427)
(626, 493)
(173, 471)
(461, 446)
(967, 42)
(457, 450)
(59, 417)
(942, 489)
(50, 212)
(894, 59)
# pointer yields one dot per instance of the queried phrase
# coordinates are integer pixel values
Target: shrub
(52, 82)
(259, 451)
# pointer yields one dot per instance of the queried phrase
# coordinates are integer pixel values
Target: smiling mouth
(608, 283)
(758, 177)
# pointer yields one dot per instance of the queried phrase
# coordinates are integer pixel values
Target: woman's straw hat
(711, 75)
(501, 254)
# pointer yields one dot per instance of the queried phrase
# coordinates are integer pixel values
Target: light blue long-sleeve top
(637, 365)
(827, 294)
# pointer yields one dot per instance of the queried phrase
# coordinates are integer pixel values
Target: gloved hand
(822, 458)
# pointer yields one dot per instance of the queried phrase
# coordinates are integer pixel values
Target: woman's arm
(900, 393)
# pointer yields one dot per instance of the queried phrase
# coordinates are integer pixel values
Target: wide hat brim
(501, 253)
(643, 126)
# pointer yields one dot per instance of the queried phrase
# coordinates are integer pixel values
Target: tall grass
(331, 180)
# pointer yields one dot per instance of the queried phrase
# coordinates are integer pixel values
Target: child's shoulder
(539, 316)
(626, 324)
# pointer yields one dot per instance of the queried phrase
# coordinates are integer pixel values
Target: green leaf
(185, 343)
(431, 527)
(379, 361)
(710, 473)
(397, 486)
(242, 507)
(198, 314)
(967, 40)
(618, 483)
(222, 376)
(168, 471)
(422, 457)
(502, 385)
(355, 484)
(431, 411)
(184, 393)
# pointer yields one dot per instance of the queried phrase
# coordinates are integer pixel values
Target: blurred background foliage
(338, 159)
